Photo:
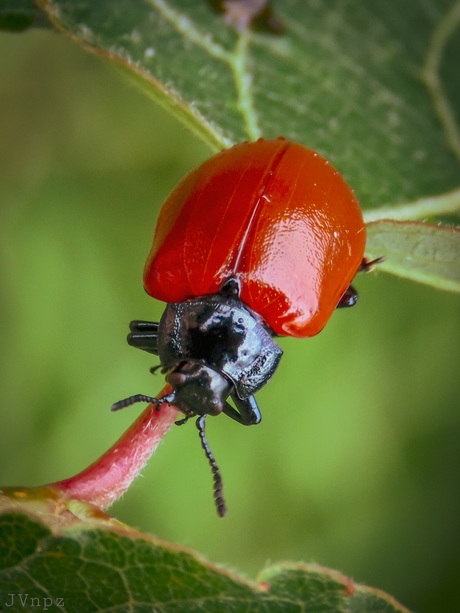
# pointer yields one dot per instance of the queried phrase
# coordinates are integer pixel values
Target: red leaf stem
(104, 481)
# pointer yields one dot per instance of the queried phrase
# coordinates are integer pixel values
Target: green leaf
(421, 252)
(97, 563)
(372, 86)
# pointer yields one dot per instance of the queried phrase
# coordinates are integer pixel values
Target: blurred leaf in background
(355, 464)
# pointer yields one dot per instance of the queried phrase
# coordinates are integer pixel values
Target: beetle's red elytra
(271, 213)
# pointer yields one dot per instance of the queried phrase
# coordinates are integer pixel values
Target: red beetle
(262, 240)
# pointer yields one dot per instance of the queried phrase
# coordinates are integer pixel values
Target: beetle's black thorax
(220, 332)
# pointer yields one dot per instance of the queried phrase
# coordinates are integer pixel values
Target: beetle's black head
(198, 389)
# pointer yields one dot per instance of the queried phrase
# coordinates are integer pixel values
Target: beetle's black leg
(218, 494)
(368, 265)
(249, 413)
(349, 299)
(144, 335)
(184, 420)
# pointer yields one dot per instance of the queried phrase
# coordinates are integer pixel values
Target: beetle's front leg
(248, 413)
(144, 335)
(349, 298)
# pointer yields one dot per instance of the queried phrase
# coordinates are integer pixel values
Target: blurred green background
(356, 463)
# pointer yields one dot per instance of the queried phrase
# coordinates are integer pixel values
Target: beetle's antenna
(218, 484)
(127, 402)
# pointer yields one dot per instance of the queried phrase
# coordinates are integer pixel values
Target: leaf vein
(243, 82)
(188, 29)
(431, 75)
